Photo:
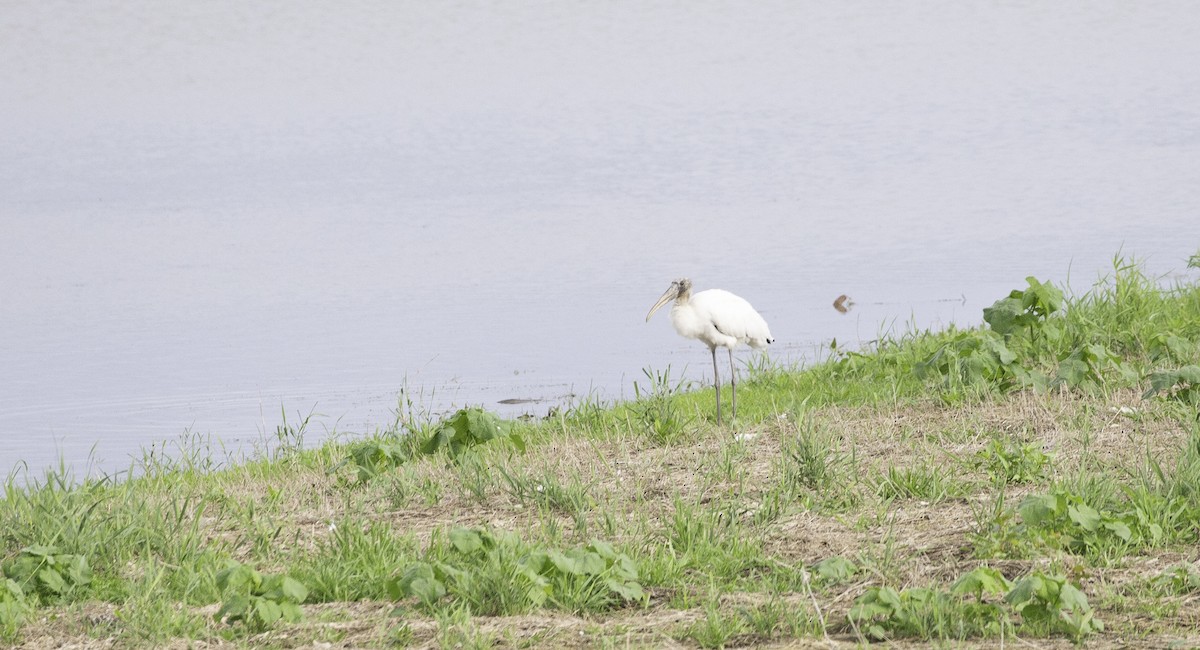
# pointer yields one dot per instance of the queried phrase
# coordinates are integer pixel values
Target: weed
(1086, 365)
(656, 408)
(376, 456)
(925, 613)
(470, 427)
(1053, 603)
(457, 631)
(1179, 580)
(810, 459)
(1182, 384)
(258, 601)
(1026, 311)
(13, 609)
(970, 359)
(923, 483)
(1012, 463)
(981, 582)
(354, 562)
(571, 498)
(48, 573)
(475, 477)
(1062, 519)
(147, 617)
(288, 438)
(716, 629)
(834, 570)
(1045, 603)
(496, 573)
(706, 524)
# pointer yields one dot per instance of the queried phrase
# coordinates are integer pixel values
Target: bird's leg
(717, 384)
(733, 384)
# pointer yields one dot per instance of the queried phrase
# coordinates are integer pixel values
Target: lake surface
(210, 212)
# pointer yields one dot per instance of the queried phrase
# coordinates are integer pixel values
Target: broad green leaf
(889, 596)
(1119, 528)
(1085, 516)
(78, 570)
(1042, 299)
(1073, 372)
(578, 562)
(38, 550)
(236, 575)
(1038, 509)
(418, 580)
(604, 549)
(52, 580)
(293, 590)
(539, 592)
(467, 428)
(860, 611)
(980, 581)
(234, 607)
(466, 540)
(1023, 592)
(291, 612)
(535, 563)
(624, 568)
(9, 589)
(266, 611)
(1070, 597)
(441, 438)
(626, 590)
(835, 569)
(1003, 316)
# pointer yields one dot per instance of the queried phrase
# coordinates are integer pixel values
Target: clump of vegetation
(1181, 579)
(1181, 384)
(1013, 464)
(498, 574)
(1054, 604)
(457, 434)
(466, 429)
(47, 572)
(13, 609)
(256, 600)
(657, 410)
(982, 603)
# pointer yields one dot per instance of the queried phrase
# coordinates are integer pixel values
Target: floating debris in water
(843, 303)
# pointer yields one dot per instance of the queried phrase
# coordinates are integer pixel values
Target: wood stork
(716, 318)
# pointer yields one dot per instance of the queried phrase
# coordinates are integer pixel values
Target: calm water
(209, 211)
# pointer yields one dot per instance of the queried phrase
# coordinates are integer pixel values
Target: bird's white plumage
(720, 320)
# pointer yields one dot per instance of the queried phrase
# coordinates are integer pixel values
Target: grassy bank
(1035, 479)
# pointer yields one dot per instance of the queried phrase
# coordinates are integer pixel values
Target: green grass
(964, 486)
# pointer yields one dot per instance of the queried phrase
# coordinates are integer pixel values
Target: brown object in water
(842, 303)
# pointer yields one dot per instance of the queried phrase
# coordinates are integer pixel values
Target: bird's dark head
(679, 291)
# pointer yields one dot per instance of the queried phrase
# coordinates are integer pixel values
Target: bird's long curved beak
(667, 297)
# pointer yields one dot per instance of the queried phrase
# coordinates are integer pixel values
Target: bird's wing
(732, 316)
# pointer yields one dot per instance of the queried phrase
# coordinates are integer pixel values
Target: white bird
(716, 318)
